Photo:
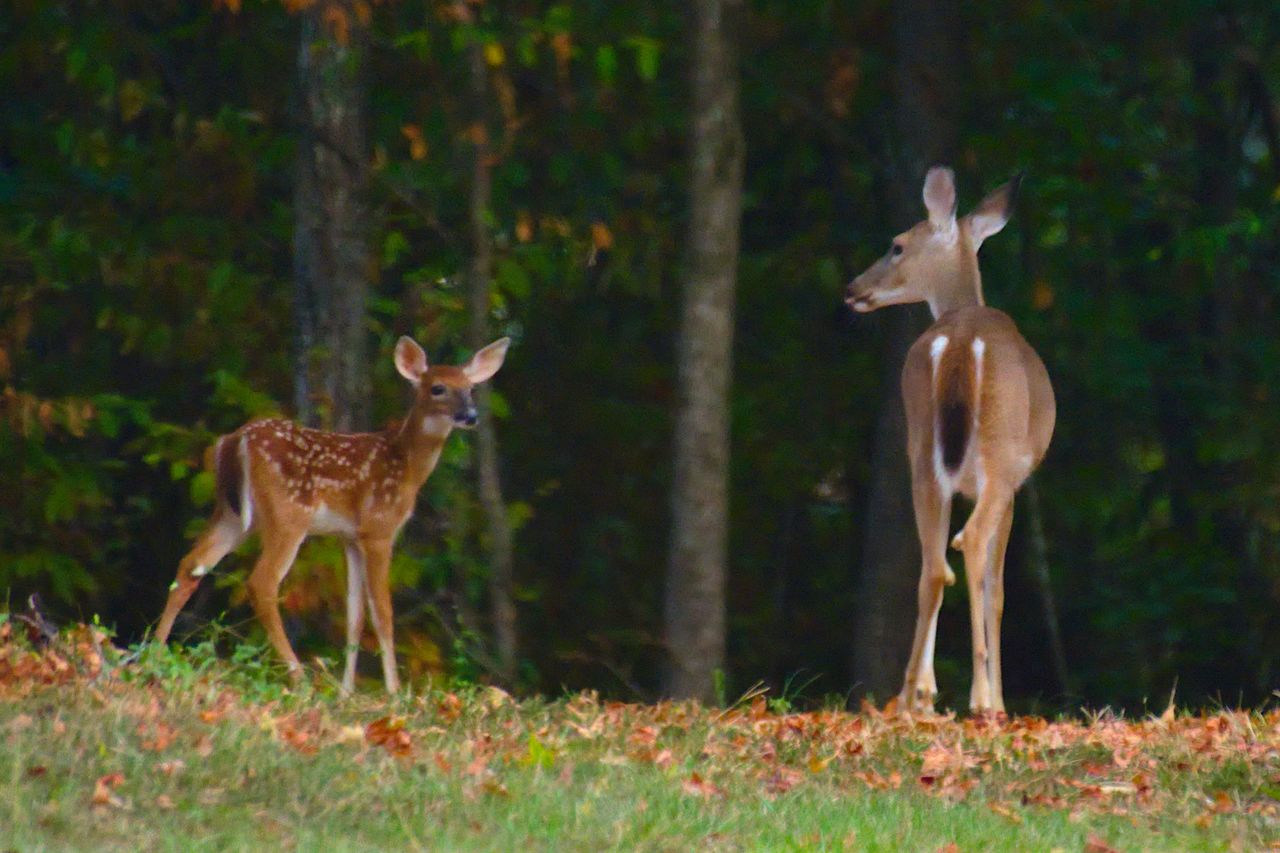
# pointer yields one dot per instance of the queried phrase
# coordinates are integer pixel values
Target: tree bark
(501, 553)
(695, 594)
(926, 74)
(331, 244)
(1038, 558)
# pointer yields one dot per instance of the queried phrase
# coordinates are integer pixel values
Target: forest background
(523, 168)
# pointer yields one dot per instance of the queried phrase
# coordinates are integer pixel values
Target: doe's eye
(438, 390)
(896, 250)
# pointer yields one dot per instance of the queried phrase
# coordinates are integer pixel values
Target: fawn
(288, 482)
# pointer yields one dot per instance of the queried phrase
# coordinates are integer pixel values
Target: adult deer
(288, 482)
(980, 413)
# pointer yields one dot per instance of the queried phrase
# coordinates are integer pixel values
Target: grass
(182, 751)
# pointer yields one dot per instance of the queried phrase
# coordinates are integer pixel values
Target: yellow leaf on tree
(335, 18)
(494, 54)
(524, 230)
(1042, 295)
(601, 236)
(417, 145)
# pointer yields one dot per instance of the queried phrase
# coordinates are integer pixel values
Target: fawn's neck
(419, 441)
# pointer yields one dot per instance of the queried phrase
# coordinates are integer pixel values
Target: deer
(288, 482)
(980, 414)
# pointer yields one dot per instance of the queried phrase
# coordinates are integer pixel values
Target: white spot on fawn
(327, 521)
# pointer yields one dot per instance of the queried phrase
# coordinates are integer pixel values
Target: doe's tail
(956, 394)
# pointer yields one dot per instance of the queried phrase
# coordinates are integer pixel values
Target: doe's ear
(993, 212)
(940, 198)
(486, 362)
(411, 361)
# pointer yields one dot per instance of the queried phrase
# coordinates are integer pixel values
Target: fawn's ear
(940, 198)
(485, 363)
(411, 361)
(993, 212)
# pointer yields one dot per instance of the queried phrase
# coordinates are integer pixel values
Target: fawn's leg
(279, 547)
(377, 570)
(356, 587)
(224, 533)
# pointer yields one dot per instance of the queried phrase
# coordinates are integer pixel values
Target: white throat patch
(437, 425)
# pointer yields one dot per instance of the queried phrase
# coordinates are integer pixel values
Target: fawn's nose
(467, 417)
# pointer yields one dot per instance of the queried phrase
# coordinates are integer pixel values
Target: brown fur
(288, 481)
(993, 415)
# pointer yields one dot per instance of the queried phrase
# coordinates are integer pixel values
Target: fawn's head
(935, 261)
(443, 397)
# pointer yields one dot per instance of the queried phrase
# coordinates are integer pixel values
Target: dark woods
(525, 168)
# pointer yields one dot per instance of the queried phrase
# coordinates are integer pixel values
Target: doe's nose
(467, 416)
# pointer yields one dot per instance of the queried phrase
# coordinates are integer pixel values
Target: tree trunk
(1038, 560)
(501, 555)
(927, 73)
(695, 594)
(331, 245)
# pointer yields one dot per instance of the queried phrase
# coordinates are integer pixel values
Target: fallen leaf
(157, 737)
(1095, 844)
(782, 779)
(389, 733)
(350, 734)
(1005, 811)
(449, 708)
(696, 786)
(102, 790)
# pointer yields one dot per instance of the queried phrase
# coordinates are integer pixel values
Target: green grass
(217, 755)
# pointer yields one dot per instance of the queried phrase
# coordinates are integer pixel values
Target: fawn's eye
(438, 390)
(896, 250)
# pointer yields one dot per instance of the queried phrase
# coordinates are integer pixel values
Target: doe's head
(929, 255)
(444, 393)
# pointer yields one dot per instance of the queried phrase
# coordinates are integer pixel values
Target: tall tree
(331, 243)
(501, 554)
(926, 118)
(695, 594)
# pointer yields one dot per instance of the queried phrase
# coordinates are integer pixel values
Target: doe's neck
(958, 287)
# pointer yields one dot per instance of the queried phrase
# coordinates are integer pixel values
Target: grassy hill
(164, 750)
